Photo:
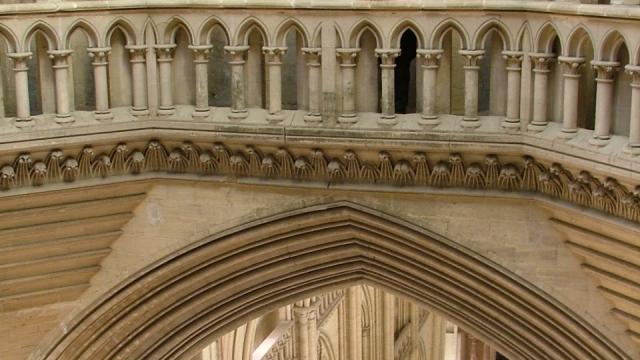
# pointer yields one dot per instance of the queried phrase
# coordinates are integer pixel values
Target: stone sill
(449, 136)
(611, 11)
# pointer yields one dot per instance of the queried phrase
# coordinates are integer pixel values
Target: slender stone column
(313, 63)
(387, 71)
(634, 118)
(514, 69)
(165, 59)
(201, 55)
(137, 55)
(273, 58)
(430, 64)
(388, 326)
(541, 69)
(312, 324)
(353, 314)
(471, 68)
(100, 62)
(60, 60)
(572, 68)
(23, 111)
(348, 58)
(305, 318)
(605, 71)
(238, 99)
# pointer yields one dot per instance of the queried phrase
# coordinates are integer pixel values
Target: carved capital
(571, 66)
(513, 59)
(273, 54)
(347, 56)
(20, 60)
(605, 70)
(201, 53)
(137, 53)
(431, 58)
(634, 71)
(542, 61)
(312, 55)
(471, 58)
(165, 52)
(387, 56)
(100, 56)
(60, 57)
(237, 53)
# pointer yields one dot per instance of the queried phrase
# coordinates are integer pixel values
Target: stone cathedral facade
(320, 179)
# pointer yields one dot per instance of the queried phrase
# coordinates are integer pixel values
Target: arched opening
(42, 93)
(450, 87)
(255, 69)
(367, 74)
(120, 83)
(405, 74)
(555, 86)
(294, 91)
(82, 87)
(219, 81)
(621, 94)
(183, 70)
(492, 81)
(183, 302)
(8, 85)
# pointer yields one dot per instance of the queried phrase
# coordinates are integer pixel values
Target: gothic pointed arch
(479, 38)
(10, 38)
(249, 24)
(406, 25)
(545, 38)
(150, 26)
(325, 347)
(359, 28)
(291, 24)
(577, 40)
(87, 28)
(127, 28)
(610, 45)
(524, 36)
(204, 34)
(185, 300)
(50, 35)
(173, 26)
(443, 28)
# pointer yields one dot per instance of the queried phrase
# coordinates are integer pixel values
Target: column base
(103, 115)
(65, 119)
(24, 122)
(429, 120)
(387, 120)
(275, 118)
(470, 123)
(201, 113)
(139, 112)
(567, 133)
(312, 118)
(537, 126)
(347, 119)
(511, 123)
(632, 149)
(238, 114)
(599, 140)
(165, 111)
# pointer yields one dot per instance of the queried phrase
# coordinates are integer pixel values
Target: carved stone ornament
(419, 170)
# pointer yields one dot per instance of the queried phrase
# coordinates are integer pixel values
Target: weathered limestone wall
(512, 233)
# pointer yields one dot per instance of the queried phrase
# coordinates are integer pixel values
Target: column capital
(347, 56)
(387, 56)
(201, 53)
(59, 57)
(20, 59)
(634, 71)
(605, 70)
(274, 53)
(99, 55)
(137, 53)
(431, 57)
(165, 51)
(542, 61)
(471, 58)
(514, 59)
(237, 53)
(313, 55)
(571, 66)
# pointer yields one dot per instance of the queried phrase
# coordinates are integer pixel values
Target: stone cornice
(628, 12)
(324, 164)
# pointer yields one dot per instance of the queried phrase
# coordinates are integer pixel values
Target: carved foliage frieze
(527, 175)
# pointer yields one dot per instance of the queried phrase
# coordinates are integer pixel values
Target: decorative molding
(528, 175)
